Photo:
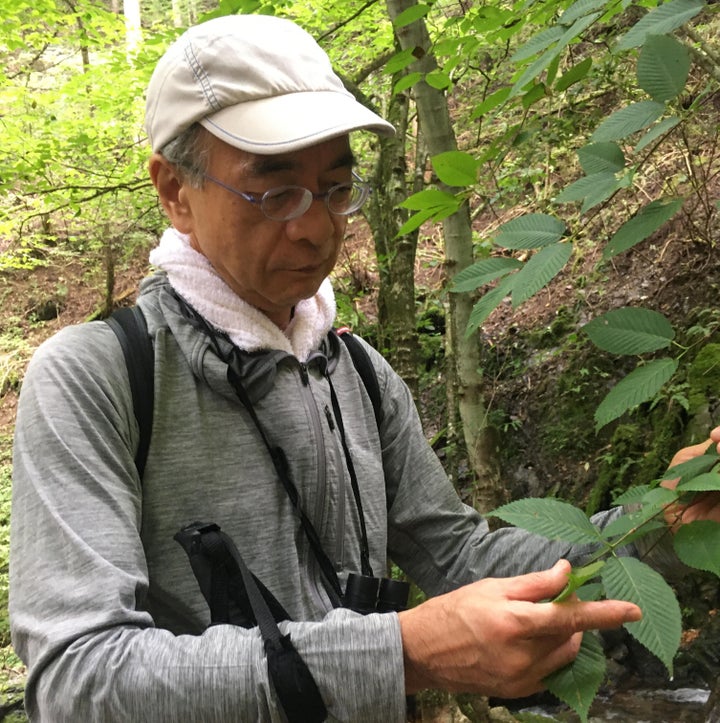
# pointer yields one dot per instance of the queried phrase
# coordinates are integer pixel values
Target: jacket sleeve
(78, 577)
(436, 539)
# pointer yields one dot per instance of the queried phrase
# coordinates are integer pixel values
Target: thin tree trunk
(463, 353)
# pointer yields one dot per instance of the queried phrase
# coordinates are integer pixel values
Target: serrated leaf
(579, 9)
(662, 20)
(574, 75)
(601, 158)
(539, 271)
(665, 125)
(634, 494)
(410, 15)
(543, 40)
(593, 189)
(707, 482)
(531, 231)
(628, 120)
(641, 385)
(630, 330)
(647, 220)
(489, 302)
(577, 684)
(550, 518)
(455, 168)
(626, 578)
(633, 526)
(693, 467)
(483, 272)
(663, 67)
(697, 544)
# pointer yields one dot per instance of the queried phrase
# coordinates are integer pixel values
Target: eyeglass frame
(258, 199)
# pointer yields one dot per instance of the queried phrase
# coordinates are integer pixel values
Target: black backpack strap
(364, 368)
(131, 330)
(209, 548)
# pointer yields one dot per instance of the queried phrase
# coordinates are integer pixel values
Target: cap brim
(291, 122)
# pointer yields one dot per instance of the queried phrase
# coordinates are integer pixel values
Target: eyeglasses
(287, 202)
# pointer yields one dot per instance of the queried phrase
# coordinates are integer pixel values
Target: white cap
(257, 82)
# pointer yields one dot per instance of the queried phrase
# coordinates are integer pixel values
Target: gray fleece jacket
(104, 607)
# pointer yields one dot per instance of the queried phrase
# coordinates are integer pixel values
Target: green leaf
(707, 482)
(579, 9)
(410, 15)
(438, 79)
(662, 20)
(531, 231)
(648, 219)
(698, 545)
(539, 271)
(693, 467)
(601, 158)
(483, 272)
(578, 577)
(415, 221)
(407, 81)
(663, 67)
(639, 386)
(455, 168)
(593, 189)
(574, 75)
(634, 494)
(577, 684)
(490, 103)
(628, 120)
(630, 527)
(489, 302)
(430, 198)
(543, 40)
(550, 518)
(664, 126)
(400, 61)
(626, 578)
(630, 330)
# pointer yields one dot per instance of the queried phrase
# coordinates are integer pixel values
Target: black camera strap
(218, 566)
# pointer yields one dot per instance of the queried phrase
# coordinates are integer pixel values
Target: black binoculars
(365, 594)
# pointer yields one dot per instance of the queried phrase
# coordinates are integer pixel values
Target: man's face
(270, 264)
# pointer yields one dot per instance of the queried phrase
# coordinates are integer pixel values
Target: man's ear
(172, 191)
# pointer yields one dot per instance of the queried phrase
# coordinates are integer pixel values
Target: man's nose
(317, 225)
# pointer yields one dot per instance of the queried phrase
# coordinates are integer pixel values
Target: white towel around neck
(195, 279)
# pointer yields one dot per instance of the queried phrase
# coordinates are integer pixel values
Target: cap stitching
(202, 77)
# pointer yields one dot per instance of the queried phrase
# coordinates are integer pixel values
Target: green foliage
(626, 578)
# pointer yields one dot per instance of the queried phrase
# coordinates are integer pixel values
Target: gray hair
(189, 152)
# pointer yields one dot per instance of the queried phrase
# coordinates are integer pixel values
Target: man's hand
(496, 638)
(703, 507)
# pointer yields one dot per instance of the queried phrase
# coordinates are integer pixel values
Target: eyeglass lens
(292, 201)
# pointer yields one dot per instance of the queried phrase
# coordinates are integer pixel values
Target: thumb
(537, 586)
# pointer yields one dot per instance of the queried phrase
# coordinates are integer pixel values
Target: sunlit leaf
(550, 518)
(410, 15)
(407, 81)
(455, 168)
(630, 330)
(626, 578)
(639, 386)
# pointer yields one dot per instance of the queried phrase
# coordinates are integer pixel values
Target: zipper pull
(329, 417)
(304, 374)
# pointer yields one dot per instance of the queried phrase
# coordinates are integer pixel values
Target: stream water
(684, 705)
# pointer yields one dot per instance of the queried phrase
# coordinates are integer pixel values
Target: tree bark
(462, 353)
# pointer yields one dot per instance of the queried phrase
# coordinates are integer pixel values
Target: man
(252, 163)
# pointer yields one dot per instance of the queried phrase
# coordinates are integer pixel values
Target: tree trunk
(397, 333)
(133, 29)
(463, 354)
